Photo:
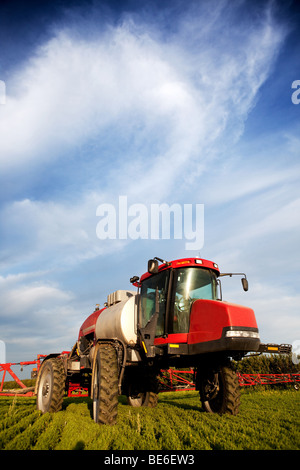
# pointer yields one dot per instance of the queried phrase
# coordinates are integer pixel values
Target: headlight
(242, 334)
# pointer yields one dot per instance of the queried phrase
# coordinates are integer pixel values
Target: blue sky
(163, 102)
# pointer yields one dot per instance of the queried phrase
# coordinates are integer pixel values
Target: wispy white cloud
(181, 93)
(36, 313)
(168, 106)
(28, 297)
(49, 233)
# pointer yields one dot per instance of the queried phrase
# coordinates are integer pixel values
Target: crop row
(267, 420)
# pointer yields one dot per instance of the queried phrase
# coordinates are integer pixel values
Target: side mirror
(245, 284)
(152, 266)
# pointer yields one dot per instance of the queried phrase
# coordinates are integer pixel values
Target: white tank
(119, 319)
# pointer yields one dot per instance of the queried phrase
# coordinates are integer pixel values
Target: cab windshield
(190, 284)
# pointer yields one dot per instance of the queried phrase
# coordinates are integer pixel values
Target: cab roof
(185, 262)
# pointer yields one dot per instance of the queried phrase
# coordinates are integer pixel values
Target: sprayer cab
(181, 311)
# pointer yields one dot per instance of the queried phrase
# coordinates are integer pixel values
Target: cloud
(17, 295)
(112, 108)
(49, 233)
(28, 297)
(37, 313)
(181, 93)
(277, 312)
(240, 179)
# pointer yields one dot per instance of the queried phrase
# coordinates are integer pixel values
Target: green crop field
(268, 420)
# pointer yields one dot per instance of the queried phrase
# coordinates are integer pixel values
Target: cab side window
(154, 287)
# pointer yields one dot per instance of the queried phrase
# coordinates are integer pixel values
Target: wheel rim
(215, 403)
(137, 400)
(96, 391)
(45, 390)
(104, 387)
(223, 395)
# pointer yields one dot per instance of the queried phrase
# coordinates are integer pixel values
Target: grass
(268, 420)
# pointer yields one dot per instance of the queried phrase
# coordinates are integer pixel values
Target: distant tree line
(267, 364)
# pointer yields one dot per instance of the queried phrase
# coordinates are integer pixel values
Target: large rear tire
(105, 384)
(51, 384)
(220, 392)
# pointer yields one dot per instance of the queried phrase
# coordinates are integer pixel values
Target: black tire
(143, 390)
(143, 399)
(220, 392)
(105, 384)
(51, 383)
